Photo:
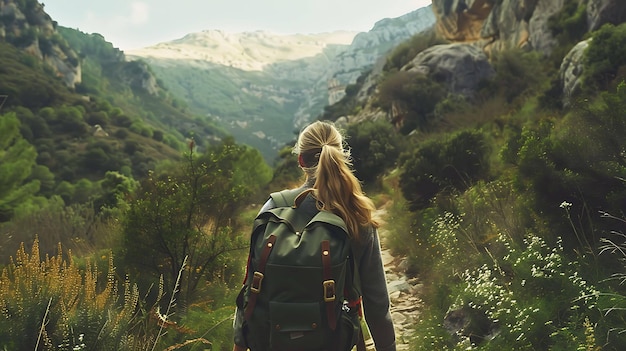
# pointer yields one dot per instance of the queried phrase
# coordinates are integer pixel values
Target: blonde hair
(337, 189)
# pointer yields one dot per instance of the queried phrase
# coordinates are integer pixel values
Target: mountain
(82, 110)
(264, 86)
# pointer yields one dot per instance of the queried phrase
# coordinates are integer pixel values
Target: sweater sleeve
(238, 320)
(238, 338)
(374, 290)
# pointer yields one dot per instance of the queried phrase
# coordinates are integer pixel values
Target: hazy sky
(130, 24)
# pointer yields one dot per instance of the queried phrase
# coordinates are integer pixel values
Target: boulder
(461, 67)
(571, 70)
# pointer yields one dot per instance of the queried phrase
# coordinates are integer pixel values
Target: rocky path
(403, 292)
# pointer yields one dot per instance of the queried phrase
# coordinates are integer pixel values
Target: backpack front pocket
(296, 326)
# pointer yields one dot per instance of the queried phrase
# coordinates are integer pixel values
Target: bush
(406, 51)
(518, 73)
(533, 298)
(410, 98)
(570, 24)
(604, 57)
(187, 215)
(374, 146)
(70, 120)
(578, 159)
(451, 164)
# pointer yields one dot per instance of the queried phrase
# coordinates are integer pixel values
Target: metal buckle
(329, 290)
(256, 282)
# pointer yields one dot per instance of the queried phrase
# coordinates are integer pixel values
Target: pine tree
(17, 158)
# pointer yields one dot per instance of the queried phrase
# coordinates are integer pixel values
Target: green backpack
(300, 292)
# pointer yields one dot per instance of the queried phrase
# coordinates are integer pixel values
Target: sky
(133, 24)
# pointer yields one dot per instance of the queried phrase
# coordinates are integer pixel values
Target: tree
(17, 158)
(189, 213)
(411, 99)
(451, 164)
(374, 146)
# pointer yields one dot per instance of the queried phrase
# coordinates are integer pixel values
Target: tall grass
(50, 304)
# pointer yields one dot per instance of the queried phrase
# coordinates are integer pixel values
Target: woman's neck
(310, 181)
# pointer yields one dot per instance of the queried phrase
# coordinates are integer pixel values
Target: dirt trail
(403, 292)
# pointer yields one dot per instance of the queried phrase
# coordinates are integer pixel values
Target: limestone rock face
(461, 20)
(540, 38)
(461, 67)
(600, 12)
(18, 26)
(571, 71)
(496, 26)
(138, 76)
(367, 47)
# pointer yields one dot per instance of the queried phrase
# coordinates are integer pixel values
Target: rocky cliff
(367, 47)
(31, 29)
(496, 25)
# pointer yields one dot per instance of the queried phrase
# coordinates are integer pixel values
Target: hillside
(499, 136)
(84, 109)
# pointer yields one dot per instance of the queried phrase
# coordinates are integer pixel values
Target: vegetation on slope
(508, 207)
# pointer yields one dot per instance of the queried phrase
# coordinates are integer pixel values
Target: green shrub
(604, 57)
(187, 215)
(533, 295)
(410, 98)
(452, 164)
(374, 146)
(523, 296)
(287, 172)
(570, 24)
(518, 74)
(406, 51)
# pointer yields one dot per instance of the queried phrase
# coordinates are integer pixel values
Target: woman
(326, 163)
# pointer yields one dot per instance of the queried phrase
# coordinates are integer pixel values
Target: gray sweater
(366, 251)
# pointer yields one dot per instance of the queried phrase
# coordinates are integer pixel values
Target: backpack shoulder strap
(285, 198)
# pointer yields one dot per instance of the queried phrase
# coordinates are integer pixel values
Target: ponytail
(336, 188)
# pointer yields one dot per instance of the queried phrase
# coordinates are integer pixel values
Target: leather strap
(360, 345)
(329, 286)
(257, 279)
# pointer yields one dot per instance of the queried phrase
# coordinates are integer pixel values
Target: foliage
(287, 172)
(518, 74)
(188, 214)
(52, 304)
(534, 298)
(614, 296)
(17, 158)
(374, 147)
(604, 58)
(577, 159)
(25, 83)
(410, 98)
(503, 267)
(570, 24)
(216, 95)
(406, 51)
(348, 104)
(55, 121)
(448, 164)
(78, 228)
